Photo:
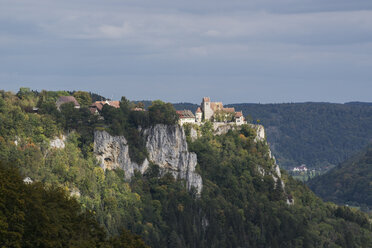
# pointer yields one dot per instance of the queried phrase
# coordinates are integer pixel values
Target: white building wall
(186, 120)
(198, 117)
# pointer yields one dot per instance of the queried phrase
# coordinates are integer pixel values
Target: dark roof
(65, 99)
(185, 114)
(93, 110)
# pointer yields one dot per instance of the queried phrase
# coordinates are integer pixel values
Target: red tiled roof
(238, 114)
(115, 104)
(229, 110)
(99, 104)
(198, 110)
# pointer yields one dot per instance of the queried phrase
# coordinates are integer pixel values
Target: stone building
(185, 116)
(211, 111)
(216, 112)
(239, 118)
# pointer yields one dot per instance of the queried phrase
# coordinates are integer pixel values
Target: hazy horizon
(197, 103)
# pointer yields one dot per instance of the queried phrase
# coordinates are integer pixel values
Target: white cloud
(110, 31)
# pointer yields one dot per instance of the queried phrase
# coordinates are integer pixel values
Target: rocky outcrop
(260, 132)
(58, 142)
(166, 146)
(112, 152)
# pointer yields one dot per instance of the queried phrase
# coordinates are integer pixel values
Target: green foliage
(95, 97)
(127, 240)
(207, 130)
(315, 134)
(34, 216)
(84, 98)
(222, 116)
(349, 183)
(162, 113)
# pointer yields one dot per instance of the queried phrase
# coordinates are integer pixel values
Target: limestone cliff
(113, 152)
(166, 146)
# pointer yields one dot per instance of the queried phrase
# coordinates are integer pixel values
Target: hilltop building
(97, 106)
(215, 111)
(211, 111)
(186, 116)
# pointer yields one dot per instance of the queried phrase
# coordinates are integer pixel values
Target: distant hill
(185, 105)
(360, 103)
(349, 183)
(315, 134)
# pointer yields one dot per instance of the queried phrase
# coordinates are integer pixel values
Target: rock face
(166, 146)
(58, 142)
(113, 152)
(260, 130)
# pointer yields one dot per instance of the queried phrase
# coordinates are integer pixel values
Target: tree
(162, 113)
(24, 92)
(128, 240)
(84, 98)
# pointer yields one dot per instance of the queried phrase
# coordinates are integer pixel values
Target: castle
(211, 111)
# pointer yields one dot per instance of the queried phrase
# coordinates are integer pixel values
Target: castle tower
(198, 115)
(206, 107)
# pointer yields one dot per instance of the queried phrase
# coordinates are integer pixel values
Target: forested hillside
(349, 183)
(315, 134)
(33, 215)
(240, 205)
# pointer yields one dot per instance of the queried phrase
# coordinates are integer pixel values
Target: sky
(255, 51)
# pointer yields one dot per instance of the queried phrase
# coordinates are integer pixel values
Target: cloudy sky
(231, 50)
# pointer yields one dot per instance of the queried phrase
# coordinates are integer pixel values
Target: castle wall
(207, 110)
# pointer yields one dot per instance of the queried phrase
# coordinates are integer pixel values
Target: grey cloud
(171, 45)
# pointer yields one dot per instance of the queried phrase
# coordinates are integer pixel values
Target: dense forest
(32, 215)
(239, 206)
(315, 134)
(349, 183)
